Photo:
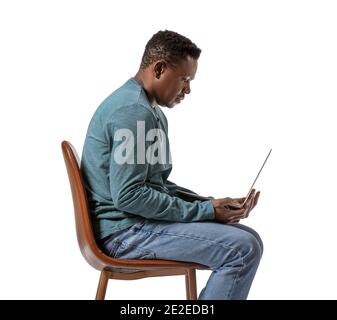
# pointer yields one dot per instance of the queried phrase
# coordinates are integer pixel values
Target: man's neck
(142, 79)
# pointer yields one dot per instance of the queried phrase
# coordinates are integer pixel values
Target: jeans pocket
(124, 250)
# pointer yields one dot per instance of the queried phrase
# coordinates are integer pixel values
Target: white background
(267, 78)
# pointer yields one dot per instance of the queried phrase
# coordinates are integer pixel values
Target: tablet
(240, 205)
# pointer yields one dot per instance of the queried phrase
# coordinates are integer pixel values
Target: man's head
(168, 65)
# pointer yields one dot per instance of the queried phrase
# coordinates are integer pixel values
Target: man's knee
(246, 245)
(250, 246)
(243, 249)
(253, 232)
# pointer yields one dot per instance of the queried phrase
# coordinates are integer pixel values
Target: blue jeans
(232, 251)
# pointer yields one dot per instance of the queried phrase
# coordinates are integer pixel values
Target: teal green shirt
(126, 174)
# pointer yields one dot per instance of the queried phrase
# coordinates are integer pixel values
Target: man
(137, 212)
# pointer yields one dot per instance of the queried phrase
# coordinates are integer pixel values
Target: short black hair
(169, 46)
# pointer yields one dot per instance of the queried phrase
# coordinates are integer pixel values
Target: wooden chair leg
(102, 285)
(191, 285)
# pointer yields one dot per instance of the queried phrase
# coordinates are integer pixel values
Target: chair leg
(102, 285)
(191, 284)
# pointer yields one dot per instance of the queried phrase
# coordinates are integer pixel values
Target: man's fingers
(230, 211)
(232, 215)
(240, 200)
(251, 195)
(249, 203)
(250, 199)
(236, 212)
(256, 199)
(242, 215)
(253, 203)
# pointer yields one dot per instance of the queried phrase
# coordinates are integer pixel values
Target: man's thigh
(208, 243)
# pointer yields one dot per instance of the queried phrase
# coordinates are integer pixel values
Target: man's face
(173, 83)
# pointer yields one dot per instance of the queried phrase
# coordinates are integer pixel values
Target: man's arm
(130, 190)
(184, 193)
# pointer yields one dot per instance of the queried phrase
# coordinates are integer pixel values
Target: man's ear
(159, 68)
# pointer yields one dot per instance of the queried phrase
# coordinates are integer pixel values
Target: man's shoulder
(128, 96)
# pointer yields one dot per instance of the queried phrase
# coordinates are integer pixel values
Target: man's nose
(187, 88)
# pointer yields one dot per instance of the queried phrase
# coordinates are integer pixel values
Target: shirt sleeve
(184, 193)
(130, 190)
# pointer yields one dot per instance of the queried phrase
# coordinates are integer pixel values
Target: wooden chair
(104, 263)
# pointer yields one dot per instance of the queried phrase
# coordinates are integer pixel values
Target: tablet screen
(240, 205)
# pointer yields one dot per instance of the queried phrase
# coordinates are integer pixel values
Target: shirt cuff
(209, 210)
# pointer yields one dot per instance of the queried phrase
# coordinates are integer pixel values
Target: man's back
(96, 157)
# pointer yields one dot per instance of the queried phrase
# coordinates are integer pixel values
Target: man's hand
(225, 211)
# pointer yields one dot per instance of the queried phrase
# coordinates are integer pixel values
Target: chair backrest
(84, 230)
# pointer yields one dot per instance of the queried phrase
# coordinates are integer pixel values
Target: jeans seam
(236, 277)
(237, 274)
